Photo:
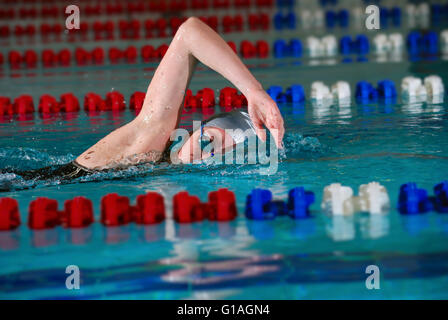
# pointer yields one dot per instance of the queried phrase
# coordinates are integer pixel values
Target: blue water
(321, 257)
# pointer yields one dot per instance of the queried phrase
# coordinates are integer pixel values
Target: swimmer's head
(205, 143)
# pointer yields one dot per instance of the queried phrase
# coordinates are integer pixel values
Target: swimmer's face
(214, 141)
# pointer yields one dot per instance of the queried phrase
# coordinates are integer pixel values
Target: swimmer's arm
(208, 47)
(196, 41)
(150, 131)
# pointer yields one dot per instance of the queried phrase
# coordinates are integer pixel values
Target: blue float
(413, 200)
(278, 207)
(441, 197)
(345, 45)
(436, 13)
(384, 16)
(295, 48)
(292, 49)
(280, 48)
(276, 93)
(413, 41)
(290, 20)
(431, 42)
(396, 16)
(386, 89)
(361, 44)
(299, 202)
(258, 205)
(287, 21)
(343, 17)
(278, 21)
(330, 19)
(365, 92)
(295, 93)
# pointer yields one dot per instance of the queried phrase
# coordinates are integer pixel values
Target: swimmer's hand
(264, 111)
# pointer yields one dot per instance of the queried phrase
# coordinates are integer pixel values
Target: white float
(373, 198)
(434, 85)
(318, 18)
(381, 43)
(413, 87)
(337, 200)
(341, 91)
(320, 47)
(329, 45)
(319, 91)
(314, 46)
(396, 42)
(444, 41)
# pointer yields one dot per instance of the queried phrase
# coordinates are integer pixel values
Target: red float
(78, 213)
(160, 25)
(82, 56)
(191, 100)
(222, 205)
(9, 214)
(150, 209)
(262, 48)
(65, 57)
(69, 103)
(247, 49)
(131, 54)
(212, 21)
(48, 104)
(115, 55)
(238, 22)
(115, 101)
(161, 50)
(175, 23)
(43, 214)
(14, 58)
(94, 102)
(136, 101)
(6, 107)
(23, 104)
(226, 96)
(264, 21)
(45, 29)
(48, 58)
(30, 58)
(115, 210)
(4, 31)
(149, 26)
(98, 55)
(206, 98)
(233, 46)
(239, 101)
(183, 208)
(147, 53)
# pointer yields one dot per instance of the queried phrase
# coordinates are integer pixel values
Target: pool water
(320, 257)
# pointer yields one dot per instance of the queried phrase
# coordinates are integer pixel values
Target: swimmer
(147, 137)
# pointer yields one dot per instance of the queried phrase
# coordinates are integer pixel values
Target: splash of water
(21, 159)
